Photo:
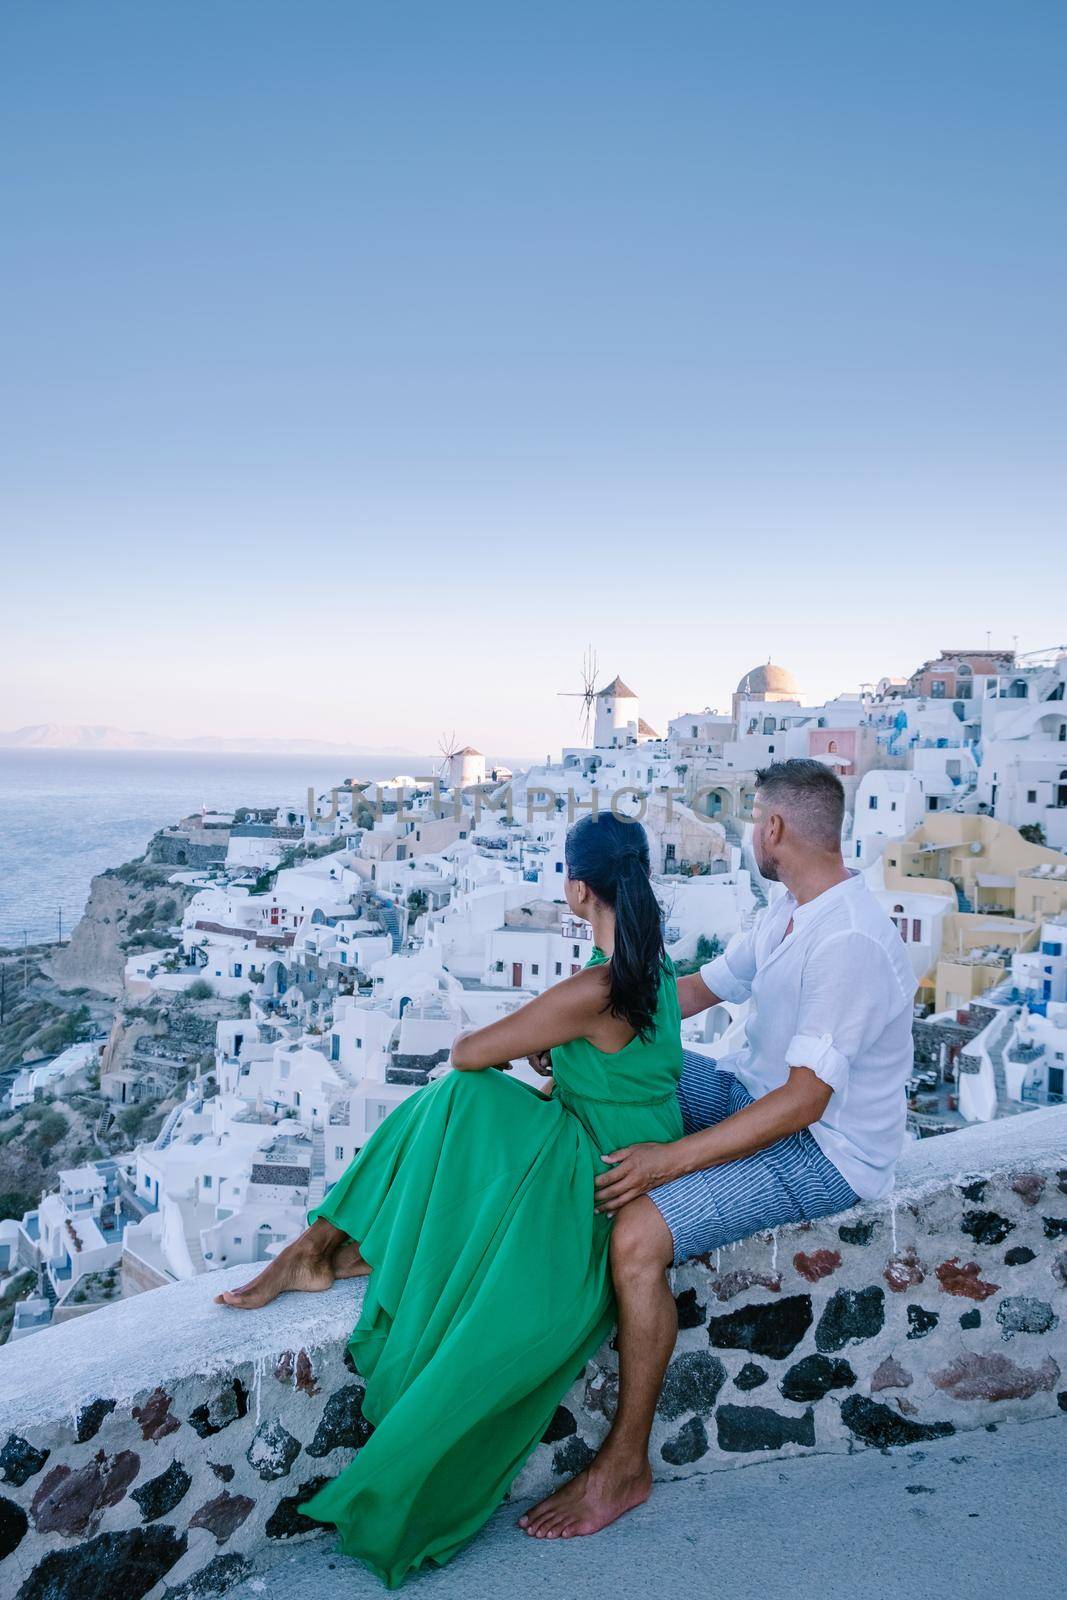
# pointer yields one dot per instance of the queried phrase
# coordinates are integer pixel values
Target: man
(804, 1120)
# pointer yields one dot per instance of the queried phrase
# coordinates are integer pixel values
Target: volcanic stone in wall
(296, 1369)
(856, 1232)
(691, 1314)
(72, 1502)
(751, 1376)
(994, 1377)
(13, 1525)
(904, 1269)
(879, 1425)
(220, 1574)
(747, 1428)
(986, 1227)
(850, 1316)
(223, 1515)
(19, 1460)
(815, 1376)
(155, 1416)
(819, 1264)
(127, 1564)
(571, 1457)
(889, 1374)
(90, 1417)
(971, 1319)
(1018, 1256)
(602, 1393)
(1019, 1313)
(1054, 1227)
(273, 1450)
(342, 1425)
(965, 1281)
(160, 1495)
(773, 1330)
(689, 1444)
(226, 1407)
(921, 1322)
(1029, 1186)
(562, 1426)
(285, 1521)
(728, 1285)
(692, 1383)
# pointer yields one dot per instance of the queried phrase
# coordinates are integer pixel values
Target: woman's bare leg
(321, 1255)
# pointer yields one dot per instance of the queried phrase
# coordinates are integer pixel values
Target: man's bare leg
(321, 1255)
(620, 1478)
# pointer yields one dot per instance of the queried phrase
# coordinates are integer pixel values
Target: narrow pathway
(960, 1519)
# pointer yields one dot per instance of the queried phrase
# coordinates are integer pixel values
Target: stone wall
(163, 1445)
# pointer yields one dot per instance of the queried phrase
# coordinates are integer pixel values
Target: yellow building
(959, 980)
(988, 862)
(1000, 888)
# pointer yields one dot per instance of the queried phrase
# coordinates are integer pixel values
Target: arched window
(831, 748)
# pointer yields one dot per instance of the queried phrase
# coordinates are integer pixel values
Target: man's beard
(767, 867)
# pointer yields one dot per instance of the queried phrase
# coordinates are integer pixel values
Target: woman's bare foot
(348, 1263)
(307, 1265)
(596, 1497)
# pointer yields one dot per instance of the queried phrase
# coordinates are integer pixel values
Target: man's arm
(849, 991)
(637, 1168)
(694, 995)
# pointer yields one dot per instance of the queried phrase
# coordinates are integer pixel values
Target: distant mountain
(59, 736)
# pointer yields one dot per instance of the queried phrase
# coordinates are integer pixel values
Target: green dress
(490, 1286)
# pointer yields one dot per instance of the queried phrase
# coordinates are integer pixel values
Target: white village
(329, 949)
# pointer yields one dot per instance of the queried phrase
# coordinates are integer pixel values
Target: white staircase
(317, 1179)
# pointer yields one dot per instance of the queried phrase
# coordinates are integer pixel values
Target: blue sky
(362, 362)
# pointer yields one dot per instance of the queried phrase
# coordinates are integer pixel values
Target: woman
(472, 1208)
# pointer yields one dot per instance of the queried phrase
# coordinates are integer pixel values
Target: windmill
(586, 694)
(448, 744)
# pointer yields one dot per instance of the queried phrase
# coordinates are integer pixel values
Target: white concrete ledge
(168, 1440)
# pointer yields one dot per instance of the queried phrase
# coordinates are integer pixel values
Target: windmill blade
(448, 745)
(586, 694)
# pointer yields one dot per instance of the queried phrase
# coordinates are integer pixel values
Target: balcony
(1042, 1097)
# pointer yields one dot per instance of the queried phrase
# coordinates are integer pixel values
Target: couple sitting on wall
(504, 1230)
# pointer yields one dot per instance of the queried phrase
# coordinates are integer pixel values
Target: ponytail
(611, 856)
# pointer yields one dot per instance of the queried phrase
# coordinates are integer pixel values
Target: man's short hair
(809, 794)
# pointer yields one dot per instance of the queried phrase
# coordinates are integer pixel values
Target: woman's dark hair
(611, 856)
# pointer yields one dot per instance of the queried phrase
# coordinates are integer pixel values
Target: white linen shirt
(835, 995)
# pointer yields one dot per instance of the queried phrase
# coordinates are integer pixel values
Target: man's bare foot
(298, 1268)
(596, 1497)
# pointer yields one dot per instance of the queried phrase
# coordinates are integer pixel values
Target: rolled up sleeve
(730, 975)
(821, 1055)
(848, 995)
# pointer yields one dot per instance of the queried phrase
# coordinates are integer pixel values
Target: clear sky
(362, 362)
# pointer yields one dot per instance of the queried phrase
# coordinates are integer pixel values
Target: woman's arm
(566, 1011)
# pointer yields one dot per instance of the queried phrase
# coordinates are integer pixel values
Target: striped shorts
(790, 1181)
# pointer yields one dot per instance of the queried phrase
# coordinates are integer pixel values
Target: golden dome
(768, 679)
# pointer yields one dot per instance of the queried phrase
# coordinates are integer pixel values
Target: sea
(65, 815)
